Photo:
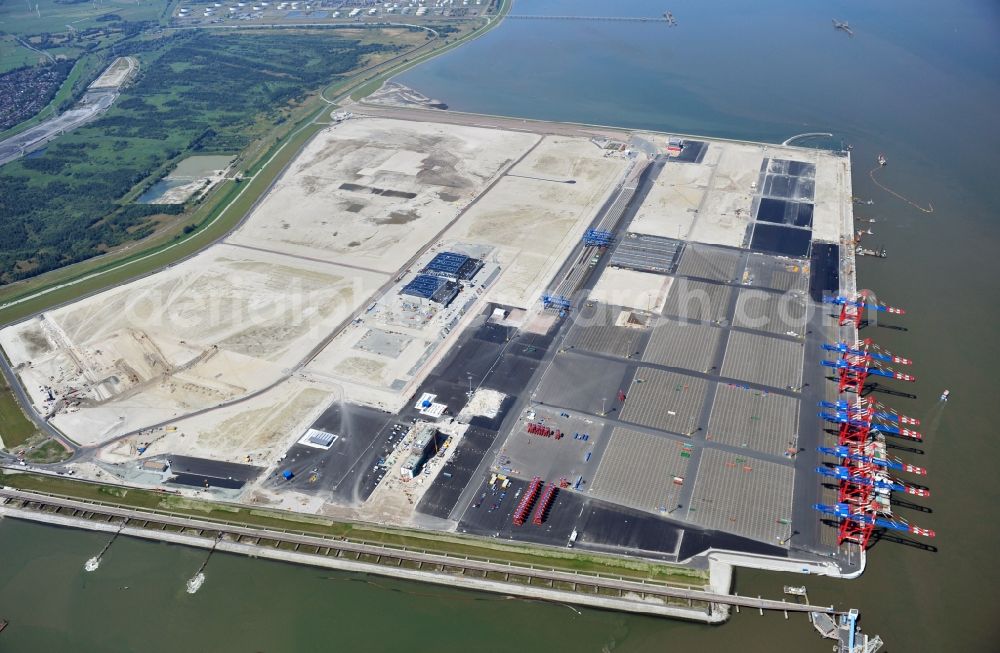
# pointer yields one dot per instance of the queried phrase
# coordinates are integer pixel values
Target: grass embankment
(42, 450)
(440, 543)
(15, 427)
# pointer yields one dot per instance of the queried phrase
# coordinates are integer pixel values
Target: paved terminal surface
(690, 345)
(641, 471)
(202, 472)
(760, 359)
(665, 400)
(781, 314)
(754, 418)
(708, 262)
(699, 300)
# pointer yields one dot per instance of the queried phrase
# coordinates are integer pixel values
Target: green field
(14, 55)
(57, 16)
(196, 92)
(15, 428)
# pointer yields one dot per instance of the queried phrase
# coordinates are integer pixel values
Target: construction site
(624, 342)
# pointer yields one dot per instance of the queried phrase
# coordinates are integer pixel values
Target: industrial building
(452, 266)
(430, 289)
(423, 447)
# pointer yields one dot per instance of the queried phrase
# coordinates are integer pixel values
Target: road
(94, 103)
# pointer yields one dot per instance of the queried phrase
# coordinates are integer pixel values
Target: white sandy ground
(643, 291)
(833, 175)
(386, 379)
(535, 223)
(256, 434)
(710, 202)
(672, 204)
(115, 74)
(484, 402)
(210, 329)
(447, 166)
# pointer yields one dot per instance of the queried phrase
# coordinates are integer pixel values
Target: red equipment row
(527, 500)
(544, 431)
(855, 436)
(543, 504)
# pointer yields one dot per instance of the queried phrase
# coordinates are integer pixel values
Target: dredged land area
(436, 319)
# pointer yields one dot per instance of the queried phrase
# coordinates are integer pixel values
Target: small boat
(944, 395)
(195, 583)
(881, 159)
(3, 624)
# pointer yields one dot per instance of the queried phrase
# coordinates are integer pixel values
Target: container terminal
(623, 342)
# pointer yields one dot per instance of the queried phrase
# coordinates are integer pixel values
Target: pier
(614, 19)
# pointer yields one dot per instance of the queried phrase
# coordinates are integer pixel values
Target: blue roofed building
(457, 267)
(430, 289)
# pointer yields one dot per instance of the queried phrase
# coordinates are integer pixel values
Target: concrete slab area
(764, 360)
(745, 496)
(698, 300)
(665, 400)
(783, 314)
(755, 419)
(641, 471)
(683, 344)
